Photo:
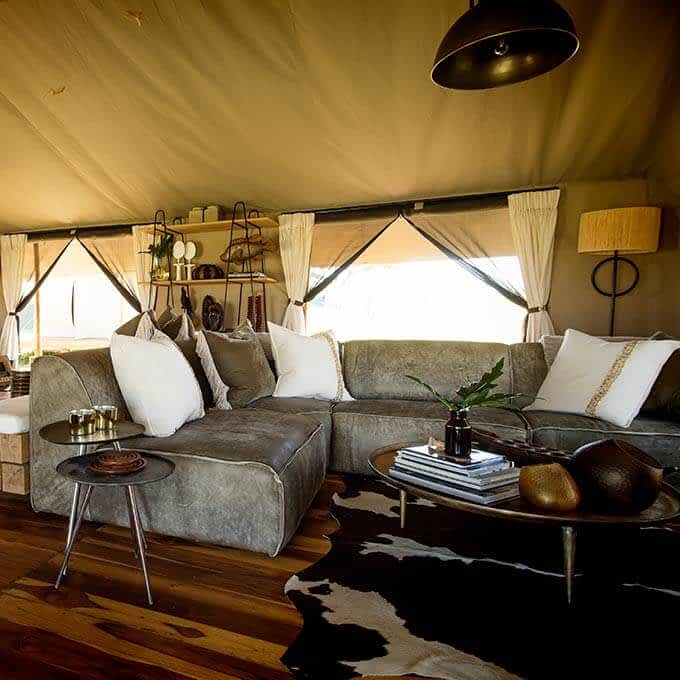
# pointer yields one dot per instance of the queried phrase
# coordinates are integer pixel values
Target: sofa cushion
(376, 369)
(318, 409)
(14, 415)
(239, 435)
(243, 478)
(528, 369)
(566, 431)
(360, 427)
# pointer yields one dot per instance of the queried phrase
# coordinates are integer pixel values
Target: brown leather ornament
(549, 487)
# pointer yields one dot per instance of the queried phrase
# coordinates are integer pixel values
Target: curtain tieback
(297, 303)
(18, 321)
(535, 310)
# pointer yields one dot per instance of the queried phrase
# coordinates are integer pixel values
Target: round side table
(60, 433)
(77, 469)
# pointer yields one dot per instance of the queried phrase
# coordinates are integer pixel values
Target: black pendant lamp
(500, 42)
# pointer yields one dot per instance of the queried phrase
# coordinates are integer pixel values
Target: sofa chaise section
(244, 478)
(319, 410)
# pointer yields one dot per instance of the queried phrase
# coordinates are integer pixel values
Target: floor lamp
(616, 231)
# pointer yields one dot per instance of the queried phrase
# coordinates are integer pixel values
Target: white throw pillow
(157, 383)
(307, 366)
(146, 327)
(602, 379)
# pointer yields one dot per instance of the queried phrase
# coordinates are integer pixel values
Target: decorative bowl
(550, 487)
(615, 476)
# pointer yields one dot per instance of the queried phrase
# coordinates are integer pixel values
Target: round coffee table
(78, 470)
(60, 433)
(665, 508)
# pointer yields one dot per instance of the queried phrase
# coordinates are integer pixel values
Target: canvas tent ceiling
(110, 109)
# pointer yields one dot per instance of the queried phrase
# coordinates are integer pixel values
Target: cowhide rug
(458, 596)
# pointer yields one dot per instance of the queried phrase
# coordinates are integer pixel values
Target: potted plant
(458, 439)
(160, 252)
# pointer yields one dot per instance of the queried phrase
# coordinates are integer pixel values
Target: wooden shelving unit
(222, 225)
(238, 281)
(250, 223)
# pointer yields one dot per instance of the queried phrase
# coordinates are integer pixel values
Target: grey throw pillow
(239, 362)
(188, 349)
(130, 327)
(179, 327)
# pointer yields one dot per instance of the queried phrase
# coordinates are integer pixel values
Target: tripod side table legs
(72, 539)
(82, 450)
(78, 511)
(138, 536)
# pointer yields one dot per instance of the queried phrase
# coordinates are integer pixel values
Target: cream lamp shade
(623, 230)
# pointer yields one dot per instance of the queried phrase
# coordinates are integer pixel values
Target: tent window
(76, 307)
(404, 287)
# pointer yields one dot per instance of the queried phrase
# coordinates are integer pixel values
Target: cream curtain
(295, 240)
(12, 252)
(141, 240)
(533, 217)
(115, 256)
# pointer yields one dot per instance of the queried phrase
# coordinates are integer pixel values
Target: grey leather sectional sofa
(245, 478)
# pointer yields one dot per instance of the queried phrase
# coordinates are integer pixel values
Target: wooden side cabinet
(14, 463)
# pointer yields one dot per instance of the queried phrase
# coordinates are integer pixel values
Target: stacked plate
(118, 463)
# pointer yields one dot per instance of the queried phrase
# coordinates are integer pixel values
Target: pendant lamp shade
(500, 42)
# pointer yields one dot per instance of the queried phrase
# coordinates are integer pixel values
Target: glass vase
(458, 439)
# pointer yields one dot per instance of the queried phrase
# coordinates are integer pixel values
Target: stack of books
(487, 478)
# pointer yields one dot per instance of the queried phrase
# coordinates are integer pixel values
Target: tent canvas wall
(110, 110)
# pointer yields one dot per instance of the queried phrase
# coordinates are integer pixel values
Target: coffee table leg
(402, 507)
(74, 535)
(136, 528)
(569, 550)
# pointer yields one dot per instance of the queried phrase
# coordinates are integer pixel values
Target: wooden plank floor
(219, 613)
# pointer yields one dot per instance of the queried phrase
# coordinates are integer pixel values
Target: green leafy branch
(163, 248)
(476, 394)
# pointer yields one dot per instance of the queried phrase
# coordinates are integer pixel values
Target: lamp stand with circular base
(614, 293)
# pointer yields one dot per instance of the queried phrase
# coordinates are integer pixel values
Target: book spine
(470, 482)
(449, 490)
(442, 465)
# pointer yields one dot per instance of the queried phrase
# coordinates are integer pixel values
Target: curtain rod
(451, 200)
(103, 230)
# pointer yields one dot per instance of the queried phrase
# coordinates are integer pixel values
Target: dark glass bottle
(458, 439)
